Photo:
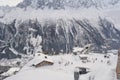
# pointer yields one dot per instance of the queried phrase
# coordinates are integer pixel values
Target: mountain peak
(62, 4)
(55, 4)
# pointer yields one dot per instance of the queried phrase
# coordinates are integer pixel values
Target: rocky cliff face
(24, 31)
(62, 4)
(59, 36)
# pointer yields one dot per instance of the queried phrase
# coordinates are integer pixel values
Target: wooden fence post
(118, 65)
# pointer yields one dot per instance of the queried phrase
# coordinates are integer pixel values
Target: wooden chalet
(44, 63)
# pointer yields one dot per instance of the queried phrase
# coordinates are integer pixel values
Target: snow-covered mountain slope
(60, 29)
(4, 10)
(114, 15)
(63, 4)
(100, 67)
(59, 33)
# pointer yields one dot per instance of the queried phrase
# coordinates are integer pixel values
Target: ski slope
(100, 67)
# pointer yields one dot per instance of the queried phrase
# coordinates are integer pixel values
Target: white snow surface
(11, 71)
(64, 65)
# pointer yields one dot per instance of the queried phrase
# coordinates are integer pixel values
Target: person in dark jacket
(76, 74)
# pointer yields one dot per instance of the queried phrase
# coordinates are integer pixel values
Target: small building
(44, 63)
(79, 71)
(87, 49)
(41, 60)
(77, 50)
(83, 70)
(83, 57)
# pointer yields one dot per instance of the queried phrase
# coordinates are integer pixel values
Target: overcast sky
(9, 2)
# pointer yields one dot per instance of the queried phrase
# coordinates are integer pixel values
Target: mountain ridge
(62, 4)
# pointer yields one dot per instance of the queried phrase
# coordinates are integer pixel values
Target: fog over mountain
(60, 24)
